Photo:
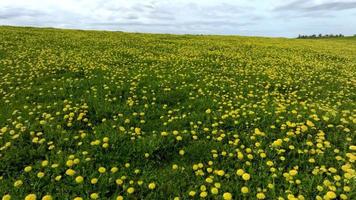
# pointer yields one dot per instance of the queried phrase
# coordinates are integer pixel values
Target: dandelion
(6, 197)
(260, 195)
(18, 183)
(203, 194)
(214, 190)
(101, 170)
(79, 179)
(47, 197)
(130, 190)
(70, 172)
(227, 196)
(152, 186)
(31, 197)
(244, 190)
(94, 196)
(246, 176)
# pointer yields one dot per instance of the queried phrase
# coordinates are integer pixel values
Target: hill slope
(144, 116)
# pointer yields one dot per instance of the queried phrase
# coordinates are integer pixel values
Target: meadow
(113, 115)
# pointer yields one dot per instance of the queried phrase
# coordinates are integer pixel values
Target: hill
(112, 115)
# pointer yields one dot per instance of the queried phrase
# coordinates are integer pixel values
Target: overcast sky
(242, 17)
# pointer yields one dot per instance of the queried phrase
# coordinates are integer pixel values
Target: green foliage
(184, 112)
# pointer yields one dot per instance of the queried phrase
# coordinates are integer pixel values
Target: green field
(112, 115)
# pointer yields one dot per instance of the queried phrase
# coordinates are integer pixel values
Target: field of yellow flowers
(112, 115)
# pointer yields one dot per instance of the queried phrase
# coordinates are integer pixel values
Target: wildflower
(130, 190)
(31, 197)
(28, 169)
(203, 194)
(330, 195)
(70, 172)
(244, 190)
(152, 186)
(18, 183)
(94, 196)
(47, 197)
(6, 197)
(192, 193)
(93, 181)
(214, 190)
(227, 196)
(246, 176)
(79, 179)
(101, 170)
(260, 195)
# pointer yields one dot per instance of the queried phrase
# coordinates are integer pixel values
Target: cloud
(10, 13)
(312, 6)
(332, 6)
(243, 17)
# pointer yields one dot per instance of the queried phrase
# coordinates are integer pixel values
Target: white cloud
(244, 17)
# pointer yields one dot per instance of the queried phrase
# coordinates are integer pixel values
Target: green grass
(103, 99)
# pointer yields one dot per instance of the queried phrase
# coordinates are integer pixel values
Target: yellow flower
(70, 172)
(227, 196)
(101, 170)
(246, 176)
(47, 197)
(330, 195)
(152, 186)
(28, 169)
(343, 196)
(240, 172)
(40, 174)
(192, 193)
(209, 180)
(220, 172)
(277, 143)
(3, 129)
(244, 190)
(174, 167)
(119, 181)
(94, 196)
(79, 179)
(31, 197)
(203, 194)
(44, 163)
(6, 197)
(130, 190)
(18, 183)
(137, 130)
(78, 198)
(214, 190)
(293, 172)
(310, 123)
(114, 169)
(119, 197)
(260, 195)
(93, 181)
(58, 178)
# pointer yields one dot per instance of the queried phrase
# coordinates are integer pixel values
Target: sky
(275, 18)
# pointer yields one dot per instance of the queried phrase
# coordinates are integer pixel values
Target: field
(113, 115)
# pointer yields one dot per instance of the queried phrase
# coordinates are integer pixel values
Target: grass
(184, 112)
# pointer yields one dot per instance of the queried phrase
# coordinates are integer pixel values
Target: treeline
(320, 36)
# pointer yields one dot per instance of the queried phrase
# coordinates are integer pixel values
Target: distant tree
(300, 36)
